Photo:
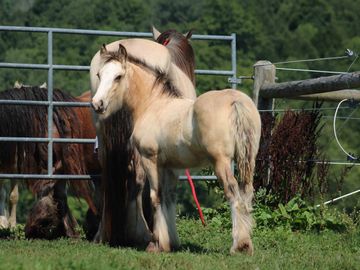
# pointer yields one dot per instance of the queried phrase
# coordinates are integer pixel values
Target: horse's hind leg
(160, 238)
(4, 224)
(168, 203)
(14, 198)
(240, 209)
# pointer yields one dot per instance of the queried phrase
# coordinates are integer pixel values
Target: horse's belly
(179, 157)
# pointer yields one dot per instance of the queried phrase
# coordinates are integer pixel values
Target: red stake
(194, 196)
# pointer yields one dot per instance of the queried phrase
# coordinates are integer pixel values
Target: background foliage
(276, 30)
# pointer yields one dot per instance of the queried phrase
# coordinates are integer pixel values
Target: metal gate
(50, 67)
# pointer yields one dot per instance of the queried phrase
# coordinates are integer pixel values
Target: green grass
(202, 248)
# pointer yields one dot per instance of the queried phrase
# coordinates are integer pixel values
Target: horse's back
(84, 97)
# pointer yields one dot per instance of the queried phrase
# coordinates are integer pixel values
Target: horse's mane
(161, 76)
(30, 121)
(180, 50)
(117, 155)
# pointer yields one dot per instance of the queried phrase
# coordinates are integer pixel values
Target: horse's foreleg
(3, 219)
(69, 222)
(240, 210)
(168, 204)
(100, 236)
(161, 239)
(137, 228)
(14, 198)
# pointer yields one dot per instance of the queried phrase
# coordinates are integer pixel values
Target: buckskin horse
(123, 220)
(172, 132)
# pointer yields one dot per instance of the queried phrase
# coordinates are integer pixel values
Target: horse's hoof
(4, 224)
(153, 248)
(147, 237)
(244, 246)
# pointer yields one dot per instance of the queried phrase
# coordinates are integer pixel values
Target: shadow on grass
(5, 233)
(193, 248)
(184, 247)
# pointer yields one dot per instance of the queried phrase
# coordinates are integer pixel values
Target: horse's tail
(248, 130)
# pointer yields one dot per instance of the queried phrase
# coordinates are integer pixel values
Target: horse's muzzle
(98, 106)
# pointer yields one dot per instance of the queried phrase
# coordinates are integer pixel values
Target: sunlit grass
(202, 248)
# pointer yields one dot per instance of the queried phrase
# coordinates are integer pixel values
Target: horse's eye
(98, 75)
(117, 78)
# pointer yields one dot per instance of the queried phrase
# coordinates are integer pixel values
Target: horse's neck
(183, 61)
(142, 92)
(182, 82)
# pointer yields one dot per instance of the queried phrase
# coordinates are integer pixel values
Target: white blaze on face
(109, 76)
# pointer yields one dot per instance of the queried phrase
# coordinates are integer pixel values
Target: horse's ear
(103, 49)
(156, 33)
(189, 34)
(122, 52)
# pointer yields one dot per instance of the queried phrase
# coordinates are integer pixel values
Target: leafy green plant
(295, 215)
(219, 216)
(298, 215)
(13, 233)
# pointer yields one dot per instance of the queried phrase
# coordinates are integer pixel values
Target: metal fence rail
(50, 67)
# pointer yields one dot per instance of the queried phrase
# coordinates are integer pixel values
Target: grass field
(202, 248)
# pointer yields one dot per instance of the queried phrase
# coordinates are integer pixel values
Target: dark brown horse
(50, 217)
(123, 178)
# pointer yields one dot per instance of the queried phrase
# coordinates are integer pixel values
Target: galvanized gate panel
(50, 67)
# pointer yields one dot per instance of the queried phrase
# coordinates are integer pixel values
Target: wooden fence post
(264, 74)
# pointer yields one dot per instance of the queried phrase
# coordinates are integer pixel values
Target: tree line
(274, 30)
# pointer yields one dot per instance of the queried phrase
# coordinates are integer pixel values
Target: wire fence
(352, 160)
(50, 66)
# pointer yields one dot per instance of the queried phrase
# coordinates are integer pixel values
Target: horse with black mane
(50, 217)
(171, 131)
(124, 221)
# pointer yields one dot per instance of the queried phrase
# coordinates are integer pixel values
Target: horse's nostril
(94, 106)
(98, 106)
